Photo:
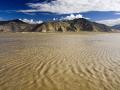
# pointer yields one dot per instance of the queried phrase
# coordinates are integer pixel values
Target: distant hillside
(15, 26)
(75, 25)
(117, 27)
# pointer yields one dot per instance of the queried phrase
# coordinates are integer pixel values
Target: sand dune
(53, 61)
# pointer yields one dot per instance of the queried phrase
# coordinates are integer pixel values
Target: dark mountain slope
(117, 27)
(75, 25)
(15, 26)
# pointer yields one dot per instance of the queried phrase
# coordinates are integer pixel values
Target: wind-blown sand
(53, 61)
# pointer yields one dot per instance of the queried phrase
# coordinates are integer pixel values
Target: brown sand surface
(57, 61)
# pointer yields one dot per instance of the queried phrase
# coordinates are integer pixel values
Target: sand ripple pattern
(53, 61)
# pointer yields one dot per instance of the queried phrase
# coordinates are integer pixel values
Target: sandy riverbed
(56, 61)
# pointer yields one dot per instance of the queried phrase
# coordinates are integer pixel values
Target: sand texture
(57, 61)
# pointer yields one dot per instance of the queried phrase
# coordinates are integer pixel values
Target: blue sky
(107, 12)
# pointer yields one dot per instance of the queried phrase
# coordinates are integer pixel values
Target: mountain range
(116, 27)
(75, 25)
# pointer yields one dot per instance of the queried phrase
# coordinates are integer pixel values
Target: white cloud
(74, 6)
(117, 13)
(72, 16)
(31, 21)
(110, 22)
(55, 19)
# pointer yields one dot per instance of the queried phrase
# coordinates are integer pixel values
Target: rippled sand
(40, 61)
